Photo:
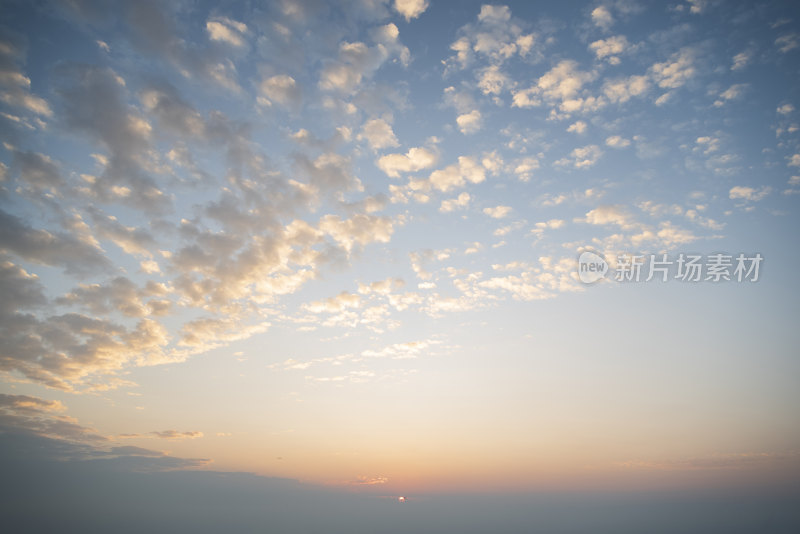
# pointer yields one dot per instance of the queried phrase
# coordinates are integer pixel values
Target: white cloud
(577, 127)
(787, 42)
(615, 141)
(676, 71)
(560, 86)
(416, 159)
(462, 201)
(785, 109)
(608, 214)
(741, 60)
(582, 157)
(524, 168)
(492, 80)
(749, 194)
(410, 9)
(496, 37)
(226, 30)
(356, 61)
(498, 212)
(16, 86)
(622, 89)
(456, 175)
(469, 123)
(378, 134)
(282, 89)
(602, 18)
(340, 302)
(697, 6)
(731, 93)
(610, 49)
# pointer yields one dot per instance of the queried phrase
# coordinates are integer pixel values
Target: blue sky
(338, 242)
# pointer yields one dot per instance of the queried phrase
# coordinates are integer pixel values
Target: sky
(331, 252)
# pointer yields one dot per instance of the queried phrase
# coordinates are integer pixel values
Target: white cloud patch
(610, 49)
(379, 134)
(577, 127)
(741, 60)
(676, 71)
(357, 61)
(581, 157)
(498, 212)
(731, 93)
(416, 159)
(788, 42)
(623, 89)
(226, 30)
(461, 201)
(602, 18)
(561, 86)
(616, 141)
(15, 86)
(750, 194)
(469, 123)
(467, 170)
(410, 9)
(496, 37)
(282, 89)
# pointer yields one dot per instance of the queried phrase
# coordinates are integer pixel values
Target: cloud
(731, 93)
(467, 170)
(154, 33)
(282, 89)
(492, 80)
(15, 86)
(462, 201)
(610, 49)
(175, 434)
(608, 214)
(340, 302)
(577, 127)
(94, 103)
(77, 253)
(602, 18)
(378, 133)
(39, 172)
(172, 112)
(741, 60)
(749, 194)
(623, 89)
(615, 141)
(225, 30)
(357, 61)
(131, 239)
(361, 229)
(495, 37)
(120, 295)
(469, 122)
(581, 157)
(498, 212)
(561, 86)
(416, 159)
(788, 42)
(676, 71)
(410, 9)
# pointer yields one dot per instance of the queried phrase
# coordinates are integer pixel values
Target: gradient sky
(337, 242)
